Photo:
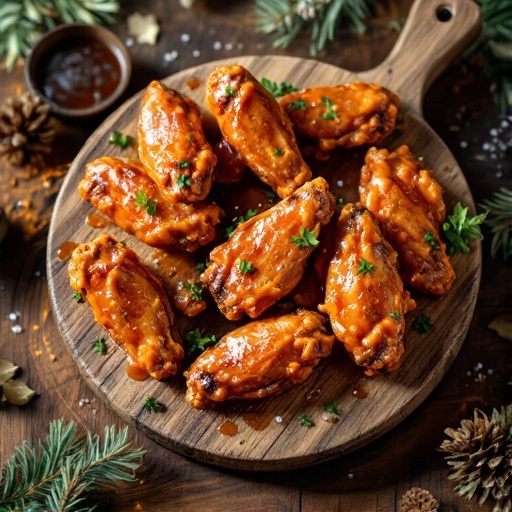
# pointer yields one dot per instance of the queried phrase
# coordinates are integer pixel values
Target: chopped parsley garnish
(249, 214)
(431, 240)
(278, 152)
(396, 315)
(184, 165)
(271, 196)
(120, 139)
(365, 267)
(329, 113)
(184, 181)
(202, 266)
(230, 91)
(245, 267)
(278, 89)
(332, 408)
(340, 200)
(298, 105)
(78, 297)
(195, 290)
(152, 404)
(306, 421)
(422, 324)
(195, 341)
(149, 205)
(100, 346)
(306, 239)
(459, 229)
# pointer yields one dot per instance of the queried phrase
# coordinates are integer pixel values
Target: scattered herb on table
(306, 421)
(241, 218)
(196, 341)
(141, 199)
(365, 267)
(120, 139)
(195, 290)
(459, 229)
(202, 266)
(78, 297)
(306, 239)
(152, 404)
(278, 89)
(422, 324)
(499, 219)
(431, 240)
(100, 346)
(332, 408)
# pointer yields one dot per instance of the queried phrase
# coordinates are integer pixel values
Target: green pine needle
(59, 472)
(499, 219)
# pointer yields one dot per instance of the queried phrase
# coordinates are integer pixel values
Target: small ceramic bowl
(79, 69)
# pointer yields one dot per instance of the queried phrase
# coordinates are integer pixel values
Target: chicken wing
(364, 296)
(181, 279)
(252, 121)
(345, 115)
(230, 167)
(172, 145)
(265, 257)
(408, 204)
(261, 358)
(123, 191)
(129, 302)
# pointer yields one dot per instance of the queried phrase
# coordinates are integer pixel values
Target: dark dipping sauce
(79, 74)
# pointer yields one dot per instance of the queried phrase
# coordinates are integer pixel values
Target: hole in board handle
(444, 13)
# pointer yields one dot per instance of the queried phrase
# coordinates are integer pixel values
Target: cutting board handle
(435, 33)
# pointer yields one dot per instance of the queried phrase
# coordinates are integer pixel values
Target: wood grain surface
(389, 399)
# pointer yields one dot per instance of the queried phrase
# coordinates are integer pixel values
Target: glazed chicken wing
(122, 191)
(172, 145)
(265, 257)
(129, 302)
(252, 121)
(408, 204)
(345, 115)
(364, 296)
(259, 359)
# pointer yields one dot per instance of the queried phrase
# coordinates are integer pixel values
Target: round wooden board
(281, 444)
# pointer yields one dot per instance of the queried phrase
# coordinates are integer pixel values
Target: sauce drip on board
(96, 220)
(81, 74)
(135, 372)
(257, 421)
(228, 428)
(65, 250)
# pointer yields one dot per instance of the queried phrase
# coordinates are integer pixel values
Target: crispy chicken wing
(252, 121)
(261, 358)
(129, 302)
(122, 191)
(345, 115)
(408, 204)
(181, 279)
(172, 145)
(364, 297)
(265, 257)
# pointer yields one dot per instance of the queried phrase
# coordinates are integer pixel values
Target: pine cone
(26, 130)
(481, 457)
(418, 500)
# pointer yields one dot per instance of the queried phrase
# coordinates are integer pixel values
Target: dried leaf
(502, 325)
(144, 28)
(17, 392)
(7, 371)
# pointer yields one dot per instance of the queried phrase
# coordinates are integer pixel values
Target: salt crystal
(351, 476)
(170, 56)
(196, 53)
(185, 38)
(490, 371)
(217, 45)
(278, 419)
(129, 42)
(463, 144)
(37, 273)
(229, 46)
(504, 124)
(84, 401)
(339, 183)
(17, 329)
(13, 316)
(493, 132)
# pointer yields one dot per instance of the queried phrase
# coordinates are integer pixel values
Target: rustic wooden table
(458, 106)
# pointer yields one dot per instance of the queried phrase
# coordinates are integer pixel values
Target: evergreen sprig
(60, 471)
(499, 219)
(23, 22)
(286, 18)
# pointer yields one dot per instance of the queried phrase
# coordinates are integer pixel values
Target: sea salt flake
(13, 316)
(17, 329)
(185, 38)
(278, 419)
(217, 45)
(196, 53)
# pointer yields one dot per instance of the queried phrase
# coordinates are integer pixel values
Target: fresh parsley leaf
(202, 266)
(278, 89)
(431, 240)
(329, 113)
(249, 214)
(340, 201)
(396, 315)
(306, 421)
(331, 408)
(306, 239)
(184, 181)
(245, 267)
(100, 346)
(195, 341)
(278, 152)
(459, 229)
(184, 165)
(422, 324)
(230, 91)
(152, 404)
(195, 290)
(298, 105)
(120, 139)
(141, 199)
(271, 196)
(78, 297)
(365, 267)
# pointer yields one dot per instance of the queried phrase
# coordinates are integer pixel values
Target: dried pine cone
(481, 457)
(418, 500)
(26, 130)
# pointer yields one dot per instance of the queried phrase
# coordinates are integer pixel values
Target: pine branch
(60, 471)
(499, 219)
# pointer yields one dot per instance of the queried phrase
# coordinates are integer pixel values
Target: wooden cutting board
(269, 435)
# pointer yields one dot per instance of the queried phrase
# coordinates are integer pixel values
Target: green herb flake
(431, 240)
(396, 315)
(306, 239)
(184, 181)
(249, 214)
(422, 324)
(230, 91)
(245, 267)
(298, 105)
(459, 229)
(202, 266)
(365, 267)
(141, 199)
(196, 341)
(195, 290)
(278, 152)
(332, 408)
(120, 139)
(306, 421)
(78, 297)
(329, 113)
(100, 346)
(340, 201)
(153, 405)
(278, 89)
(184, 165)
